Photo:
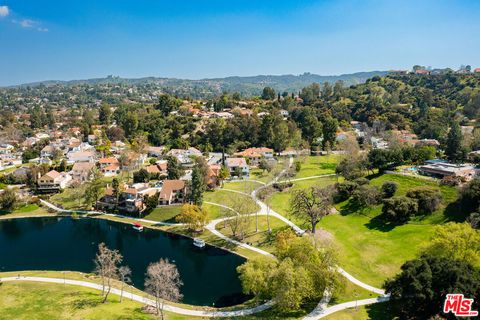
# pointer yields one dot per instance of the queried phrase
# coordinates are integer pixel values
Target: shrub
(344, 190)
(366, 196)
(399, 209)
(428, 198)
(298, 166)
(451, 181)
(389, 188)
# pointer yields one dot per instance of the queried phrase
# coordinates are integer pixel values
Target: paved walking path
(54, 207)
(320, 311)
(143, 299)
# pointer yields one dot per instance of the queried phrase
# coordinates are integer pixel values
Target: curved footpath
(320, 311)
(143, 299)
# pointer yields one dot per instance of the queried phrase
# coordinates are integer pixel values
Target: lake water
(209, 274)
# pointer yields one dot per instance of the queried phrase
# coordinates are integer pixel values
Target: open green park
(367, 248)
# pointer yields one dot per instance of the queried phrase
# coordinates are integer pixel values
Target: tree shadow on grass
(349, 208)
(381, 224)
(381, 311)
(457, 212)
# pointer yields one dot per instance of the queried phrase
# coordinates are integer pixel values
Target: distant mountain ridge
(249, 85)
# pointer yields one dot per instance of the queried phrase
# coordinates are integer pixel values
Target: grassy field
(228, 198)
(318, 165)
(280, 200)
(261, 239)
(51, 301)
(378, 311)
(70, 198)
(165, 214)
(243, 186)
(26, 210)
(369, 249)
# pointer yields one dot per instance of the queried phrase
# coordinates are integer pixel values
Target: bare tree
(239, 217)
(106, 266)
(163, 282)
(124, 274)
(312, 204)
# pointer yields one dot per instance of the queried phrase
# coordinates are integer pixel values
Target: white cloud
(4, 11)
(27, 23)
(42, 29)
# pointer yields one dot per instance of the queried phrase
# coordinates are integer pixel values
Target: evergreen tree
(198, 186)
(454, 150)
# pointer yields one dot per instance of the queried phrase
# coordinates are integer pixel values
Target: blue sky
(67, 39)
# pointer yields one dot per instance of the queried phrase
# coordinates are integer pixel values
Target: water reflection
(209, 275)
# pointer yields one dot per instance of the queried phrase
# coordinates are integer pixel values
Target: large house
(159, 168)
(109, 166)
(237, 167)
(173, 191)
(444, 169)
(82, 171)
(130, 200)
(254, 155)
(185, 156)
(53, 181)
(81, 156)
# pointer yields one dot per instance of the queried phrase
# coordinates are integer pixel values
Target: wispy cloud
(4, 11)
(29, 23)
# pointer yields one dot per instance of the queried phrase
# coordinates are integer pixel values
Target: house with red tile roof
(53, 181)
(254, 155)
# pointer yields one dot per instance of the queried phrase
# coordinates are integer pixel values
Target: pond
(209, 274)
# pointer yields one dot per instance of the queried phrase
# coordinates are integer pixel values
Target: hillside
(202, 88)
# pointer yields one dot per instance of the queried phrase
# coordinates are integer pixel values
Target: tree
(302, 273)
(420, 289)
(310, 94)
(366, 196)
(193, 216)
(256, 275)
(93, 190)
(352, 167)
(238, 217)
(265, 165)
(141, 175)
(291, 286)
(8, 199)
(428, 198)
(198, 186)
(312, 204)
(268, 93)
(470, 195)
(174, 169)
(457, 241)
(455, 150)
(329, 130)
(163, 283)
(105, 114)
(106, 266)
(223, 174)
(389, 188)
(124, 273)
(399, 209)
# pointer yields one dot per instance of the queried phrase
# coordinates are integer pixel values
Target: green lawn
(229, 198)
(165, 214)
(70, 198)
(245, 186)
(261, 239)
(369, 249)
(377, 311)
(26, 210)
(29, 300)
(318, 165)
(280, 200)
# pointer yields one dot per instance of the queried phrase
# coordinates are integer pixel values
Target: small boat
(198, 243)
(138, 227)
